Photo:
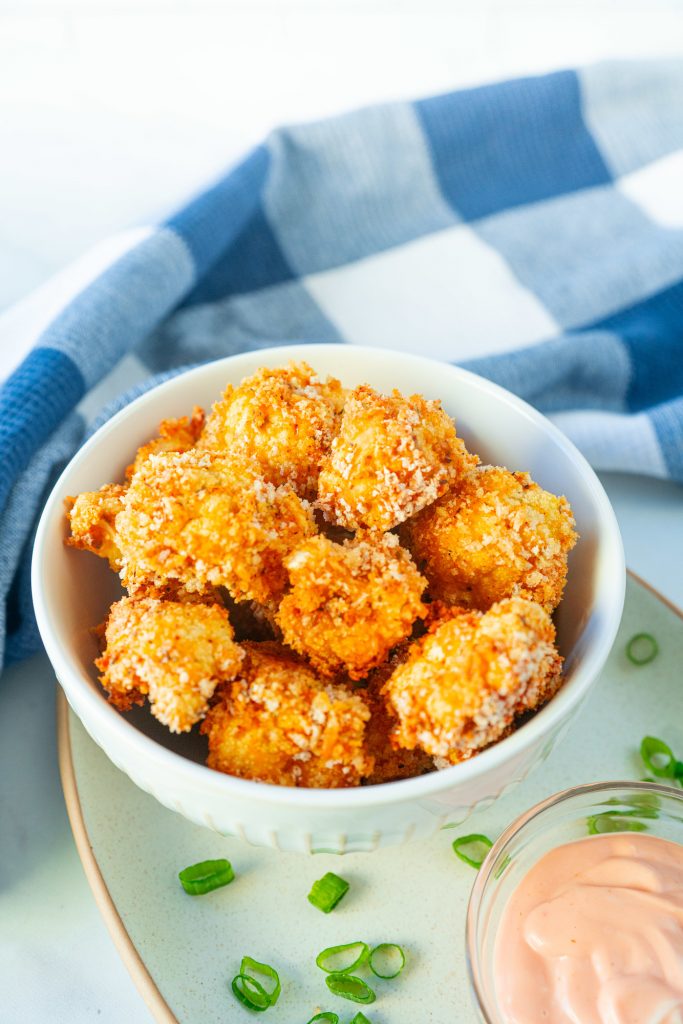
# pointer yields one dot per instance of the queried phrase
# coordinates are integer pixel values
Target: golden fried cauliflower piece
(279, 723)
(174, 436)
(496, 534)
(92, 518)
(392, 456)
(204, 519)
(175, 654)
(283, 419)
(350, 603)
(463, 683)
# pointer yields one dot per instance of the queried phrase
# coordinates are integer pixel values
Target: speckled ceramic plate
(183, 951)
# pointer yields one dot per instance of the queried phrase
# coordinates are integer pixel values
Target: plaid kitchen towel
(531, 230)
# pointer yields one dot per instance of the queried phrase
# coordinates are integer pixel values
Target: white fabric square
(448, 295)
(657, 189)
(614, 441)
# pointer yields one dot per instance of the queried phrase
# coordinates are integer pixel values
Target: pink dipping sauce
(593, 934)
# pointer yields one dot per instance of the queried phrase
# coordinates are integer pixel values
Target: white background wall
(112, 111)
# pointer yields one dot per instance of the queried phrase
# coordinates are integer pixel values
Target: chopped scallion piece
(477, 855)
(658, 757)
(387, 960)
(348, 986)
(642, 649)
(616, 821)
(249, 967)
(327, 1016)
(360, 1018)
(206, 876)
(250, 993)
(351, 955)
(327, 891)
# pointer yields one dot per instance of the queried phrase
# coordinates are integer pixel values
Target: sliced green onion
(616, 821)
(250, 993)
(387, 960)
(362, 953)
(642, 649)
(327, 1016)
(360, 1018)
(348, 986)
(477, 856)
(327, 891)
(206, 876)
(249, 967)
(658, 757)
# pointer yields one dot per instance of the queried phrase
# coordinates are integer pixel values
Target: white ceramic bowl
(73, 590)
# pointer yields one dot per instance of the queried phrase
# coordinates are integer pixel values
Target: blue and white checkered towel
(532, 230)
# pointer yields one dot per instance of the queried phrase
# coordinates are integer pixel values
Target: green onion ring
(348, 986)
(336, 950)
(467, 841)
(642, 649)
(257, 999)
(206, 876)
(387, 949)
(247, 968)
(360, 1018)
(652, 747)
(327, 1016)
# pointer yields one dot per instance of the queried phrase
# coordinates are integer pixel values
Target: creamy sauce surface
(593, 934)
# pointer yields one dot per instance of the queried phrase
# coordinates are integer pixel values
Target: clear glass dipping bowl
(560, 819)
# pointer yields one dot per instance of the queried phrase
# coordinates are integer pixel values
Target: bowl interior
(76, 589)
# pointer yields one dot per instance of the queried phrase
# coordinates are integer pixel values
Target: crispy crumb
(174, 436)
(283, 419)
(203, 519)
(92, 518)
(350, 603)
(175, 654)
(496, 534)
(393, 456)
(280, 723)
(463, 683)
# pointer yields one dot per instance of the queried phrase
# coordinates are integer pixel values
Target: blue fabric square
(513, 143)
(652, 331)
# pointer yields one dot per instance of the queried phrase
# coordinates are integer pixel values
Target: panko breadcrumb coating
(175, 654)
(174, 436)
(350, 603)
(392, 456)
(464, 682)
(92, 518)
(283, 419)
(496, 534)
(279, 723)
(204, 519)
(391, 762)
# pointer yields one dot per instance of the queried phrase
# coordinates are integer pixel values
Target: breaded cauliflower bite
(496, 534)
(350, 603)
(393, 455)
(204, 519)
(175, 654)
(465, 682)
(279, 723)
(92, 518)
(283, 419)
(174, 436)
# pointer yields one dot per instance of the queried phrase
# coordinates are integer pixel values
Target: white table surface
(110, 113)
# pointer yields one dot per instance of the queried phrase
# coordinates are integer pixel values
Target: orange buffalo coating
(204, 520)
(392, 456)
(280, 723)
(92, 519)
(173, 653)
(496, 534)
(350, 603)
(463, 683)
(283, 419)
